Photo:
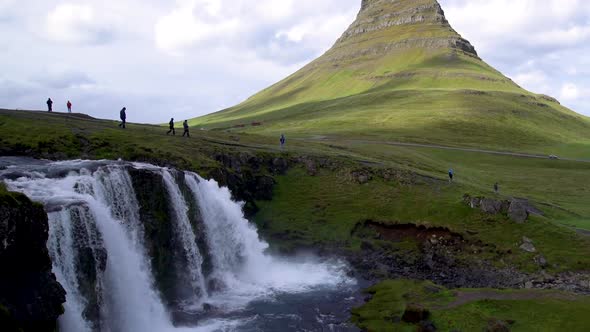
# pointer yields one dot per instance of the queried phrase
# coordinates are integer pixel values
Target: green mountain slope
(400, 72)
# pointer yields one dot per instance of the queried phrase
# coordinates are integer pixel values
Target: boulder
(491, 206)
(30, 297)
(517, 212)
(528, 245)
(541, 261)
(415, 313)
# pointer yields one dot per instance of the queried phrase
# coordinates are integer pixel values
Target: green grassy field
(520, 310)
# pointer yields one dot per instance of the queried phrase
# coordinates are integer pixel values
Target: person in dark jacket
(69, 105)
(451, 175)
(171, 123)
(185, 125)
(283, 140)
(123, 116)
(49, 105)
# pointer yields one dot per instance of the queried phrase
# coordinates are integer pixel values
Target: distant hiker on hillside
(123, 116)
(171, 123)
(496, 187)
(283, 140)
(451, 175)
(185, 125)
(49, 105)
(69, 104)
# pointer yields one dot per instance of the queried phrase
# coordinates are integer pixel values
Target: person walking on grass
(185, 125)
(49, 105)
(123, 117)
(496, 188)
(69, 104)
(451, 175)
(283, 140)
(171, 123)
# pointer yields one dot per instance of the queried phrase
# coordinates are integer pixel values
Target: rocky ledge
(30, 297)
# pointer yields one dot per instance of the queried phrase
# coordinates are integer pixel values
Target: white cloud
(234, 48)
(570, 91)
(74, 23)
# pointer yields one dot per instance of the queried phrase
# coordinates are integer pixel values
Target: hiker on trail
(451, 175)
(123, 116)
(496, 187)
(283, 140)
(49, 105)
(69, 104)
(185, 125)
(171, 123)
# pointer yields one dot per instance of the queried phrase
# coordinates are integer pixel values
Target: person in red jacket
(69, 106)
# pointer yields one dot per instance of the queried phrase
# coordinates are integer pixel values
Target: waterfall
(186, 234)
(97, 242)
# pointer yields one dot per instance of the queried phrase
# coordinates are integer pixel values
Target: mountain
(401, 72)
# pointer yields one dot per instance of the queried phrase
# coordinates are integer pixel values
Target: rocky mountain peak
(395, 24)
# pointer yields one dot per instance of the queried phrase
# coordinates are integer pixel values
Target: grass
(325, 209)
(527, 310)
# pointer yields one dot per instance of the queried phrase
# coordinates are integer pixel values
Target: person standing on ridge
(185, 125)
(69, 104)
(171, 123)
(49, 105)
(123, 116)
(451, 175)
(283, 140)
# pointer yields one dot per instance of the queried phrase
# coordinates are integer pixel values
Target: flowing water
(97, 245)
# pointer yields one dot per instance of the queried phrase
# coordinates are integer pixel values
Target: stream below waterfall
(203, 268)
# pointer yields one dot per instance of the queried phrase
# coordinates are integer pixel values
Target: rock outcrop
(30, 297)
(518, 210)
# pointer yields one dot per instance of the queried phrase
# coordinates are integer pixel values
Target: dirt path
(463, 298)
(441, 147)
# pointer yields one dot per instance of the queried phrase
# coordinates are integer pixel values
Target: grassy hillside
(326, 209)
(396, 75)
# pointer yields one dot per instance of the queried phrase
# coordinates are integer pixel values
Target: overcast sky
(185, 58)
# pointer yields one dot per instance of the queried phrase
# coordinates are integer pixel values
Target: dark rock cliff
(30, 297)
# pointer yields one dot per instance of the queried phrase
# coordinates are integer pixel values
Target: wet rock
(518, 212)
(215, 285)
(30, 295)
(415, 313)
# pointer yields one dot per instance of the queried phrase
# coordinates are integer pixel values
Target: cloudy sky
(184, 58)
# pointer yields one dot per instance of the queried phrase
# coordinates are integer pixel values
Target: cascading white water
(95, 207)
(131, 304)
(61, 250)
(186, 234)
(239, 256)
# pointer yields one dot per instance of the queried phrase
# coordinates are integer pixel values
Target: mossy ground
(527, 310)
